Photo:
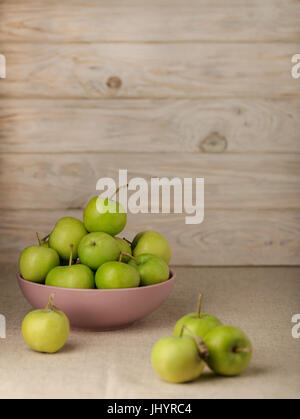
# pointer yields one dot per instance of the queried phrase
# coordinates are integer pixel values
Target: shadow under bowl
(97, 309)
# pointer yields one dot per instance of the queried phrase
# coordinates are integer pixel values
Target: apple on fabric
(229, 349)
(177, 359)
(46, 330)
(198, 323)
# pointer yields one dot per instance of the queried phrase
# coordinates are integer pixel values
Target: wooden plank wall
(162, 88)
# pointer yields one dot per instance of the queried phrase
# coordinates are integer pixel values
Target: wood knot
(114, 82)
(213, 143)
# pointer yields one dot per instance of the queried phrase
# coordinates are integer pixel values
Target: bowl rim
(50, 287)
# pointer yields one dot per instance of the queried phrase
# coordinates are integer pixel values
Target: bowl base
(99, 329)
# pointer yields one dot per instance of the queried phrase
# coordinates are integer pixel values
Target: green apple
(74, 276)
(197, 323)
(151, 242)
(177, 359)
(36, 261)
(103, 214)
(98, 248)
(125, 248)
(71, 276)
(152, 269)
(68, 230)
(229, 349)
(117, 275)
(46, 330)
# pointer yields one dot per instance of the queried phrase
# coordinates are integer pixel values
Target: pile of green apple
(200, 339)
(88, 254)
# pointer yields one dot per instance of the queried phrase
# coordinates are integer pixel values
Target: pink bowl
(99, 309)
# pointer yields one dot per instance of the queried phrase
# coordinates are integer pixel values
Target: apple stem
(45, 238)
(199, 304)
(115, 193)
(39, 239)
(71, 254)
(181, 331)
(128, 241)
(117, 190)
(50, 305)
(203, 351)
(131, 257)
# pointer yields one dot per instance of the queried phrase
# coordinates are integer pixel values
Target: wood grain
(195, 89)
(207, 125)
(68, 180)
(232, 237)
(179, 70)
(155, 20)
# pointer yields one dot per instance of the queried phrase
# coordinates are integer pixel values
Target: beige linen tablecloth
(117, 364)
